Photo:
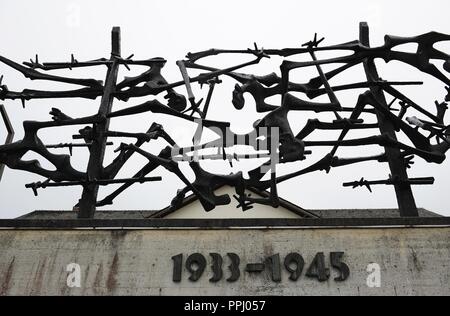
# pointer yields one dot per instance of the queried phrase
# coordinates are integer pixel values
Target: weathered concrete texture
(413, 261)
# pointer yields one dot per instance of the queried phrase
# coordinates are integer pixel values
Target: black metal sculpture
(9, 131)
(272, 137)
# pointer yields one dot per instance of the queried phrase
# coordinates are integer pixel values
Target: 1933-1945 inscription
(293, 263)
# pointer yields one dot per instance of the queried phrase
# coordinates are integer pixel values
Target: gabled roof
(297, 210)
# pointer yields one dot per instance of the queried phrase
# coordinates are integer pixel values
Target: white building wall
(196, 211)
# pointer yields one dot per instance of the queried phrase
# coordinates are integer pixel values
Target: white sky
(170, 29)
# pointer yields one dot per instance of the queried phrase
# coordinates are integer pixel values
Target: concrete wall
(413, 261)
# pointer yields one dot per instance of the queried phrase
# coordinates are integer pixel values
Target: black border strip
(222, 223)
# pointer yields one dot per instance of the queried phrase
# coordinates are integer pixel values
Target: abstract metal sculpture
(272, 137)
(9, 130)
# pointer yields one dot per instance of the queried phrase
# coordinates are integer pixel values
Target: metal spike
(392, 102)
(230, 161)
(35, 190)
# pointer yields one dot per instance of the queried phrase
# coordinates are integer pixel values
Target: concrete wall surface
(411, 261)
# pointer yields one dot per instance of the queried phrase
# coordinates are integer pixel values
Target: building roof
(133, 214)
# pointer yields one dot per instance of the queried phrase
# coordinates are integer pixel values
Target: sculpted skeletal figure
(153, 81)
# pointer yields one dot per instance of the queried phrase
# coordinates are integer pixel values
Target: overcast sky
(54, 29)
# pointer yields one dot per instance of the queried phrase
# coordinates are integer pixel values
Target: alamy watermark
(264, 140)
(74, 277)
(73, 17)
(374, 277)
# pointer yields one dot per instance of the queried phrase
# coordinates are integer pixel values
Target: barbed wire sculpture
(273, 133)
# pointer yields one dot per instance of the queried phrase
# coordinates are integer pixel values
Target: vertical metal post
(97, 150)
(9, 135)
(405, 198)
